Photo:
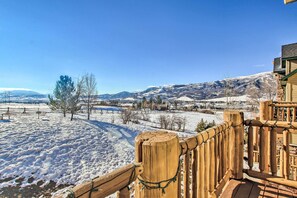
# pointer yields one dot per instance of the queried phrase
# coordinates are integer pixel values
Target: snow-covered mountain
(21, 95)
(200, 91)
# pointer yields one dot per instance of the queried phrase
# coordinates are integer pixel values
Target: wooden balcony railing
(281, 111)
(276, 162)
(200, 166)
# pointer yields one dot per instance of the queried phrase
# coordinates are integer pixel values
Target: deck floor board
(249, 189)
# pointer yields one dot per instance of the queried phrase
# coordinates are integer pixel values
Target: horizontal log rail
(291, 104)
(270, 178)
(191, 143)
(118, 180)
(272, 124)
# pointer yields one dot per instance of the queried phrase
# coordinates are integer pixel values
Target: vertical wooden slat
(283, 113)
(221, 146)
(288, 114)
(281, 163)
(256, 142)
(273, 162)
(294, 114)
(124, 193)
(263, 151)
(194, 173)
(186, 176)
(224, 153)
(250, 147)
(286, 155)
(212, 162)
(217, 163)
(179, 184)
(207, 169)
(201, 171)
(227, 147)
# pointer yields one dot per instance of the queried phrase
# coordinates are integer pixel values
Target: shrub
(203, 125)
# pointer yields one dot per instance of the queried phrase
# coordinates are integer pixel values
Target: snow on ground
(242, 98)
(53, 148)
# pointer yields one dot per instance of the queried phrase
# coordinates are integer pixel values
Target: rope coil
(158, 185)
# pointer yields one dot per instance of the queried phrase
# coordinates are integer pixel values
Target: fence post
(264, 153)
(236, 142)
(159, 153)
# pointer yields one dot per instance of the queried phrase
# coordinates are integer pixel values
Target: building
(285, 69)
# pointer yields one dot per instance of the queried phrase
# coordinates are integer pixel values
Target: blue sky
(130, 45)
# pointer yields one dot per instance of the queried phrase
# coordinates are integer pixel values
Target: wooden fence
(7, 113)
(279, 168)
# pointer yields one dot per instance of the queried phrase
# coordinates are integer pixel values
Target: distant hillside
(201, 91)
(197, 91)
(16, 95)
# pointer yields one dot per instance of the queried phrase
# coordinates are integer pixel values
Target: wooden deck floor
(248, 189)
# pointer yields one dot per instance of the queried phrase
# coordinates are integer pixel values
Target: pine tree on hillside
(159, 100)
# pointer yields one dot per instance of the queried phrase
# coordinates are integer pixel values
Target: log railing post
(250, 147)
(273, 160)
(236, 142)
(286, 154)
(265, 114)
(159, 153)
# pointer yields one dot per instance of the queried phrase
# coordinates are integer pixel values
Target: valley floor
(52, 152)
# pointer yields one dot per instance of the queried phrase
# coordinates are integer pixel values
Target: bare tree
(228, 92)
(74, 102)
(164, 121)
(90, 92)
(145, 114)
(254, 94)
(263, 91)
(128, 115)
(269, 89)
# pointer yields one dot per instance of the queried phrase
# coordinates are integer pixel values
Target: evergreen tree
(63, 93)
(144, 101)
(201, 126)
(159, 100)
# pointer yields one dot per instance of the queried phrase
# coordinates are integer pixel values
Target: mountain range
(237, 86)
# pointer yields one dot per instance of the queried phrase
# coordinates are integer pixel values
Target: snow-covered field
(53, 148)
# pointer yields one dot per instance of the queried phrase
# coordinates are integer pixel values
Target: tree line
(69, 96)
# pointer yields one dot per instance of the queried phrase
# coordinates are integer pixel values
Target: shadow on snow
(123, 133)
